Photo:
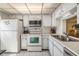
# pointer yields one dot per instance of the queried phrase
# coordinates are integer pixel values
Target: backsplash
(46, 30)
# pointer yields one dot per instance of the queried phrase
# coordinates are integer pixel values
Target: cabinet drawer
(45, 36)
(57, 52)
(59, 46)
(51, 48)
(24, 35)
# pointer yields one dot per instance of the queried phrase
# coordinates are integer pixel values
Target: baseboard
(23, 49)
(42, 49)
(2, 51)
(45, 49)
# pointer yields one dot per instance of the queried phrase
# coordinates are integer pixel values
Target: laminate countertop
(72, 46)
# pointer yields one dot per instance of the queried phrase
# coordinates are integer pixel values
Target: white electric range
(34, 42)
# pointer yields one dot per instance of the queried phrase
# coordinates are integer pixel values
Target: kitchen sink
(65, 39)
(73, 40)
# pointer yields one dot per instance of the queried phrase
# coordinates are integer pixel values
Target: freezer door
(8, 25)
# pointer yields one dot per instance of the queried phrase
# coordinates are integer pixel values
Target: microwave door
(35, 23)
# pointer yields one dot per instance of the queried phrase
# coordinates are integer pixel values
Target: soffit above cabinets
(4, 6)
(28, 8)
(50, 5)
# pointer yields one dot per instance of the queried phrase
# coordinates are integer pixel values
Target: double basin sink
(65, 38)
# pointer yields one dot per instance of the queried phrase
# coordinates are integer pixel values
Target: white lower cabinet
(45, 41)
(24, 41)
(57, 51)
(51, 50)
(55, 48)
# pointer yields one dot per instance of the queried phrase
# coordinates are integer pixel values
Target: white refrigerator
(10, 31)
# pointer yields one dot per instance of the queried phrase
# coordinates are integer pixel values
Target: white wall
(78, 13)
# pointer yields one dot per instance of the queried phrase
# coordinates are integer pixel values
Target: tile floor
(26, 53)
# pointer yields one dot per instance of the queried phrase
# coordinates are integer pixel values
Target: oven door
(34, 40)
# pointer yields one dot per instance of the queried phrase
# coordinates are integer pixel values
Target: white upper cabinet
(53, 20)
(56, 15)
(45, 41)
(26, 20)
(46, 21)
(34, 17)
(19, 16)
(68, 6)
(64, 11)
(69, 10)
(58, 12)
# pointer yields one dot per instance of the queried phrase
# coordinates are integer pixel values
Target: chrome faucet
(67, 36)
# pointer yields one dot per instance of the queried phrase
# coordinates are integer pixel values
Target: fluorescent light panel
(35, 8)
(18, 5)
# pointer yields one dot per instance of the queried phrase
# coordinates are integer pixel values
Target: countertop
(72, 46)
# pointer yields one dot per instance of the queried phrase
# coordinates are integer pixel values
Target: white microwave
(35, 23)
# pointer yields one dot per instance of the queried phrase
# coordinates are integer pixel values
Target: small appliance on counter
(53, 30)
(26, 31)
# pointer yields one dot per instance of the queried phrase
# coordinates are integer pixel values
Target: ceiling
(28, 8)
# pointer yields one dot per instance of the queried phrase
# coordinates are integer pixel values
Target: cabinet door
(45, 43)
(68, 6)
(25, 21)
(46, 20)
(51, 47)
(59, 46)
(24, 43)
(57, 52)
